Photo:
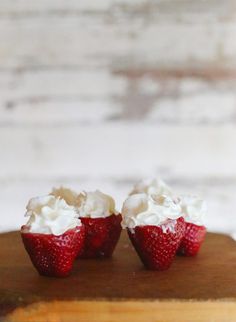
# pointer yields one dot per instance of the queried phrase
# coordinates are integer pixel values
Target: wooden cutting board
(120, 289)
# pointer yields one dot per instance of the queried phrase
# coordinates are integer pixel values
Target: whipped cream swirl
(152, 187)
(142, 209)
(95, 205)
(70, 196)
(50, 215)
(193, 209)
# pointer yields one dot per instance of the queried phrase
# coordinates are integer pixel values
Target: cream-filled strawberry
(53, 235)
(152, 187)
(155, 226)
(194, 210)
(102, 224)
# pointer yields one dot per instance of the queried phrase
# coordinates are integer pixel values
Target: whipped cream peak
(70, 196)
(142, 209)
(151, 186)
(194, 209)
(50, 215)
(95, 204)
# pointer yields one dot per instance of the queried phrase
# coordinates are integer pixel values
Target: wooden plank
(59, 84)
(212, 8)
(64, 97)
(113, 150)
(22, 6)
(52, 111)
(82, 41)
(126, 311)
(202, 284)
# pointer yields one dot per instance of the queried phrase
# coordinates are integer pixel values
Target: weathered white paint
(118, 151)
(57, 112)
(83, 41)
(187, 8)
(64, 97)
(117, 33)
(96, 94)
(43, 6)
(58, 84)
(212, 106)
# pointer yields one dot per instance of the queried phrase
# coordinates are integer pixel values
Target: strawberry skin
(192, 240)
(155, 246)
(101, 236)
(54, 255)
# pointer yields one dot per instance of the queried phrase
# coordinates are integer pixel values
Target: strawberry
(192, 240)
(157, 245)
(54, 255)
(101, 237)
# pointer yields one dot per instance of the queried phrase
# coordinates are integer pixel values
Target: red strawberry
(192, 240)
(101, 237)
(54, 255)
(156, 246)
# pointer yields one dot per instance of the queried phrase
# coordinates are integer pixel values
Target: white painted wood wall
(96, 94)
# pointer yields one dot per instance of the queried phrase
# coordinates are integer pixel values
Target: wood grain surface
(120, 288)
